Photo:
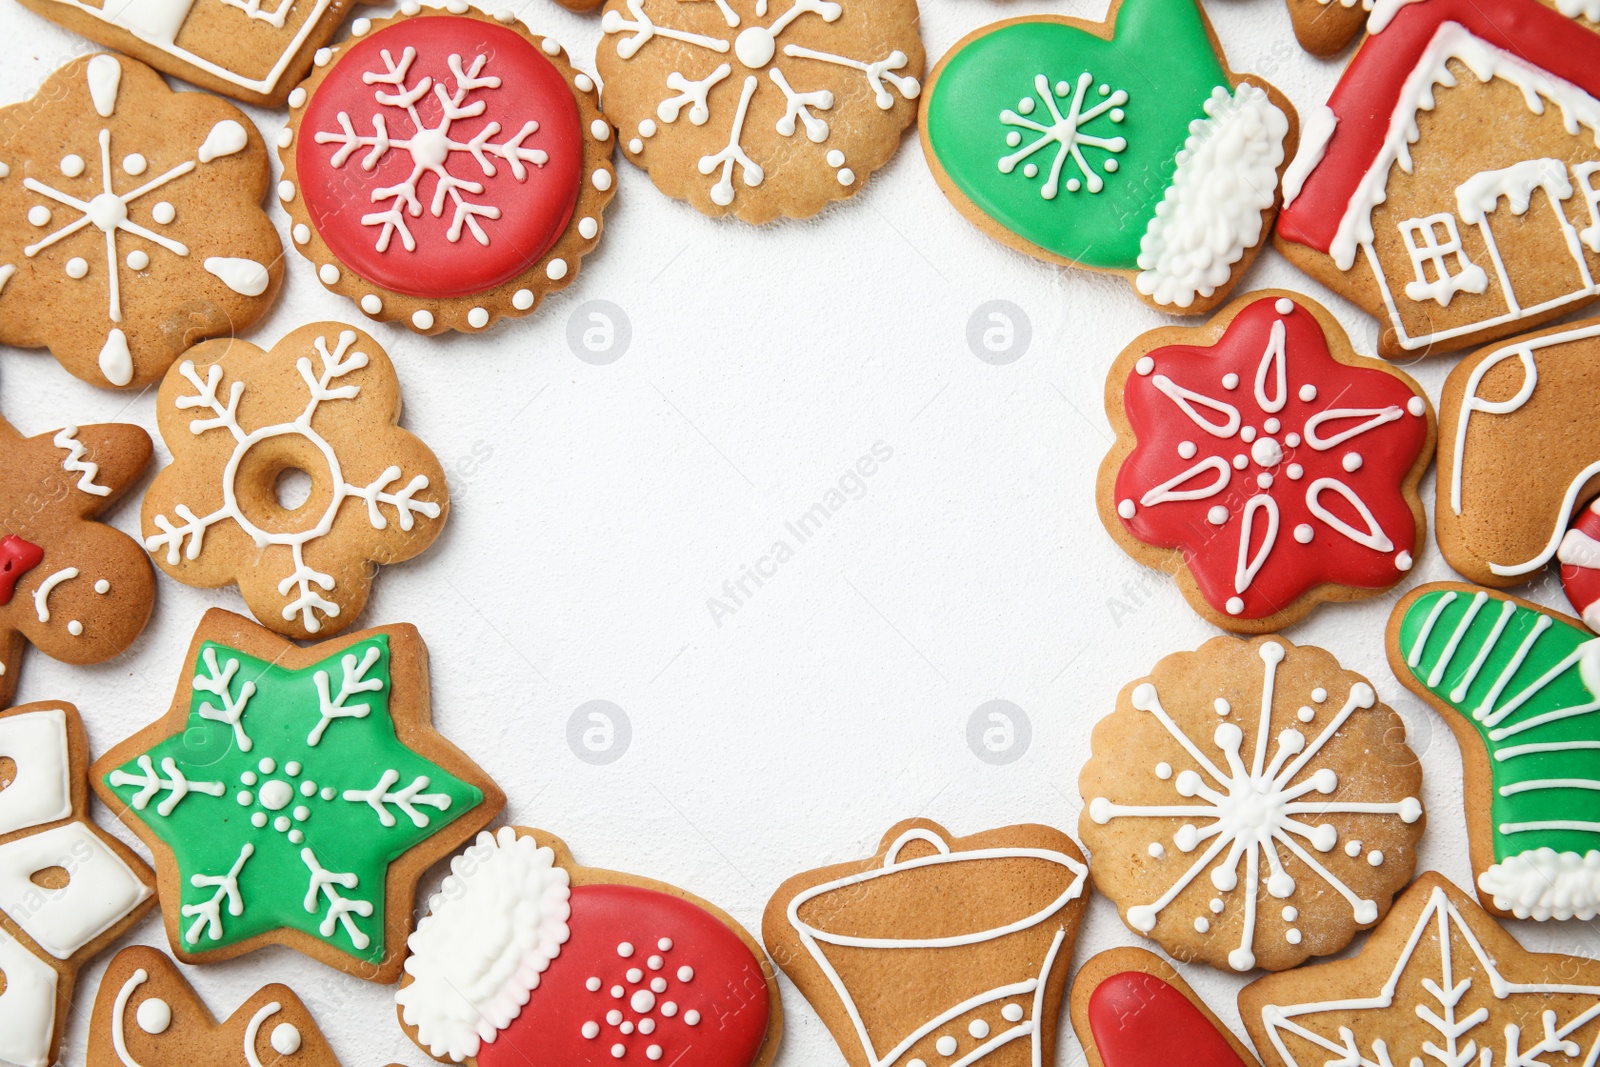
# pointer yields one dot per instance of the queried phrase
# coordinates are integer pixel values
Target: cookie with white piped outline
(444, 168)
(1131, 1008)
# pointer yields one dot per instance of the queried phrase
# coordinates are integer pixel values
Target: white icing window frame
(1468, 275)
(1584, 173)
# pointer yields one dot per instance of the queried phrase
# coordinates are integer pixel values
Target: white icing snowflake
(757, 49)
(1066, 132)
(1251, 813)
(432, 148)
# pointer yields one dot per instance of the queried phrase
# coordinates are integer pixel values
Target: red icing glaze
(345, 182)
(728, 989)
(17, 557)
(1289, 567)
(1140, 1021)
(1581, 579)
(1368, 92)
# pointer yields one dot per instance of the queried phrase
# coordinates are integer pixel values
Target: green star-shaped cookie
(297, 793)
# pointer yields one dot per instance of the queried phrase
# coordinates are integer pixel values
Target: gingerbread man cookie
(294, 795)
(325, 400)
(527, 959)
(131, 223)
(68, 889)
(147, 1015)
(76, 589)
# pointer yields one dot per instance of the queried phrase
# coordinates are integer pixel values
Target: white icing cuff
(1227, 176)
(1546, 884)
(1315, 132)
(497, 922)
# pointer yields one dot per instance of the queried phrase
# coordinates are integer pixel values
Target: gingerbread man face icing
(130, 221)
(1265, 462)
(528, 960)
(67, 888)
(147, 1014)
(758, 109)
(294, 795)
(76, 589)
(446, 168)
(325, 401)
(1050, 136)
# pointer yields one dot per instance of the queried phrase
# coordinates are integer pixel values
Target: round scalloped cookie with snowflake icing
(1264, 463)
(444, 168)
(1050, 136)
(1271, 812)
(761, 108)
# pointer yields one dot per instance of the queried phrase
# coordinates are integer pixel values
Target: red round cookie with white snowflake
(445, 168)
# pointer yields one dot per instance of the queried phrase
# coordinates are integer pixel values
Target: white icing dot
(1284, 305)
(248, 777)
(1304, 533)
(1264, 480)
(1241, 461)
(285, 137)
(1187, 449)
(665, 944)
(163, 212)
(619, 1050)
(1319, 695)
(292, 768)
(322, 57)
(72, 165)
(1202, 924)
(371, 304)
(1306, 714)
(297, 97)
(647, 1026)
(308, 789)
(1292, 440)
(614, 1017)
(328, 792)
(835, 158)
(634, 975)
(593, 985)
(285, 1039)
(267, 765)
(685, 974)
(245, 798)
(636, 145)
(1215, 905)
(643, 1000)
(946, 1045)
(601, 179)
(301, 813)
(691, 1017)
(102, 587)
(422, 319)
(1217, 515)
(1375, 858)
(591, 1030)
(286, 190)
(1234, 605)
(847, 176)
(1127, 509)
(1247, 434)
(1352, 849)
(39, 215)
(1230, 381)
(1012, 1013)
(135, 164)
(601, 129)
(478, 318)
(281, 823)
(1351, 461)
(617, 992)
(154, 1016)
(658, 985)
(1290, 913)
(1031, 170)
(259, 819)
(1292, 936)
(1271, 426)
(522, 299)
(550, 46)
(669, 1009)
(77, 267)
(1163, 770)
(1308, 392)
(625, 950)
(653, 1052)
(75, 628)
(1156, 850)
(978, 1029)
(1403, 561)
(360, 27)
(1416, 405)
(556, 269)
(587, 228)
(1221, 706)
(328, 273)
(1144, 366)
(295, 837)
(1294, 470)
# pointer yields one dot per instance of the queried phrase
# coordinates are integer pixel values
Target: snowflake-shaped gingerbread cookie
(293, 795)
(1264, 462)
(130, 221)
(324, 401)
(78, 590)
(1271, 810)
(445, 168)
(760, 108)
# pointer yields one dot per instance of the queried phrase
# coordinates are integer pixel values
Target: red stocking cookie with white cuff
(527, 959)
(444, 169)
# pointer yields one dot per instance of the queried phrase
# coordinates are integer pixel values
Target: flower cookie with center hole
(527, 959)
(68, 889)
(1271, 810)
(444, 168)
(131, 223)
(324, 401)
(78, 590)
(293, 795)
(146, 1013)
(1264, 462)
(761, 108)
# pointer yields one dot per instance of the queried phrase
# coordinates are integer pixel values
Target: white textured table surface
(598, 508)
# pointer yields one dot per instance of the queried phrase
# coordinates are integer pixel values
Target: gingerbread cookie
(1518, 454)
(325, 401)
(444, 168)
(131, 221)
(76, 589)
(1516, 684)
(1324, 27)
(294, 795)
(147, 1014)
(938, 949)
(526, 959)
(1131, 1008)
(1047, 133)
(68, 889)
(1449, 238)
(754, 113)
(1265, 463)
(1271, 771)
(1438, 983)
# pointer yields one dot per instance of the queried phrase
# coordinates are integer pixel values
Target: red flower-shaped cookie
(1278, 467)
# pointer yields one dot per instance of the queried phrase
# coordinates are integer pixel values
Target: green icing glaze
(1159, 66)
(1527, 684)
(209, 828)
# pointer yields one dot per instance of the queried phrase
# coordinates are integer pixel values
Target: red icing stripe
(1368, 93)
(1140, 1021)
(17, 557)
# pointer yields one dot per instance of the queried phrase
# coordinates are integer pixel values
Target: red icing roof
(1367, 95)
